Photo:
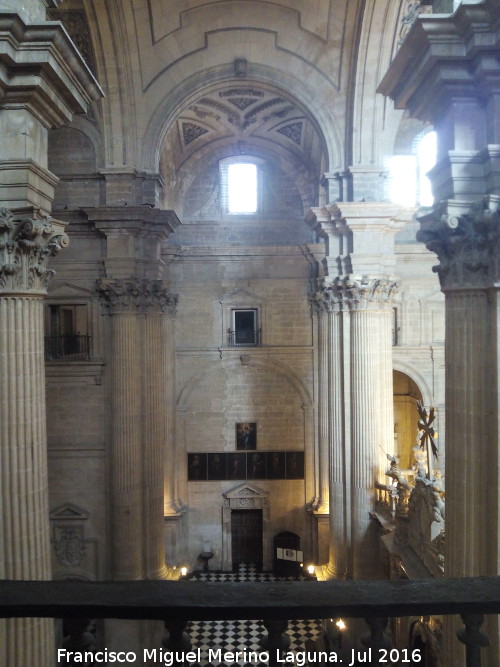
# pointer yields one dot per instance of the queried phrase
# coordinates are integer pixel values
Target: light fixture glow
(310, 569)
(184, 571)
(340, 624)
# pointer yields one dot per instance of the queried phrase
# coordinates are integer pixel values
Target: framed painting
(246, 436)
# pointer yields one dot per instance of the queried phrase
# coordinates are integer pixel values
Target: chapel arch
(240, 118)
(406, 395)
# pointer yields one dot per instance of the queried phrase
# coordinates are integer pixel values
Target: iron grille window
(67, 329)
(244, 331)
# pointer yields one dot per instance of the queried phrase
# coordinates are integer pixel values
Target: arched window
(408, 183)
(240, 180)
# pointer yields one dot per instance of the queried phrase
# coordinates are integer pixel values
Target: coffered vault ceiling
(243, 115)
(242, 118)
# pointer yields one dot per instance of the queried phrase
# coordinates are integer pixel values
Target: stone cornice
(40, 66)
(134, 295)
(133, 219)
(445, 56)
(348, 294)
(26, 245)
(330, 219)
(467, 245)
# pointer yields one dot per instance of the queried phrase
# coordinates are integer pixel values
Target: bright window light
(408, 183)
(242, 187)
(403, 180)
(426, 156)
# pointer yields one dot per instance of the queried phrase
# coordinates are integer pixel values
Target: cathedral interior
(249, 297)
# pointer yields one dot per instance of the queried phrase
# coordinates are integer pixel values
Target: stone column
(123, 298)
(370, 303)
(139, 388)
(323, 499)
(357, 297)
(457, 89)
(468, 248)
(157, 462)
(25, 248)
(360, 427)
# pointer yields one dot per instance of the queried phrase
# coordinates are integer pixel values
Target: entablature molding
(446, 57)
(41, 67)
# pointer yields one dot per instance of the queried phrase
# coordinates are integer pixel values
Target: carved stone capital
(467, 246)
(26, 244)
(137, 296)
(346, 294)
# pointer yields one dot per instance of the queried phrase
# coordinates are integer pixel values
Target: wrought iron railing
(243, 337)
(67, 348)
(177, 602)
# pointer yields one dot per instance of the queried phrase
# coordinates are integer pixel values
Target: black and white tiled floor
(233, 636)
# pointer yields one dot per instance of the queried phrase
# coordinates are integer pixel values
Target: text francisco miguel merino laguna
(171, 658)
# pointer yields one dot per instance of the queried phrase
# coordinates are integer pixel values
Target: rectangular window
(242, 187)
(244, 329)
(395, 327)
(67, 329)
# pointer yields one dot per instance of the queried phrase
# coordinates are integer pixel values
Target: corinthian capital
(136, 295)
(347, 294)
(467, 246)
(26, 245)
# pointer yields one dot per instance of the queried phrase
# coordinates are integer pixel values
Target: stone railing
(177, 602)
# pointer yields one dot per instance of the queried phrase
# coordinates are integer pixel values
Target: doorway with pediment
(245, 527)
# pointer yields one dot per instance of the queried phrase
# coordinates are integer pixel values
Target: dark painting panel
(197, 467)
(217, 466)
(295, 465)
(275, 465)
(256, 465)
(237, 466)
(220, 466)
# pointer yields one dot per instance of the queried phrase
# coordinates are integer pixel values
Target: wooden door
(246, 537)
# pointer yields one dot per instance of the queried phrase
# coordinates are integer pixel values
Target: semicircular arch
(169, 108)
(278, 367)
(418, 378)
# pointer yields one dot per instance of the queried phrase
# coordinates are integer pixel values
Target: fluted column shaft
(159, 478)
(340, 545)
(361, 416)
(468, 248)
(470, 416)
(323, 413)
(171, 491)
(371, 428)
(126, 456)
(140, 346)
(25, 247)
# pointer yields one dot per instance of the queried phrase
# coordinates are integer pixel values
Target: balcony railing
(67, 348)
(177, 602)
(243, 337)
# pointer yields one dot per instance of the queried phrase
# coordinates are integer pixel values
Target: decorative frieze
(346, 294)
(467, 246)
(26, 244)
(136, 295)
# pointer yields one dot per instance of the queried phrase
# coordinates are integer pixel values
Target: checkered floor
(231, 636)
